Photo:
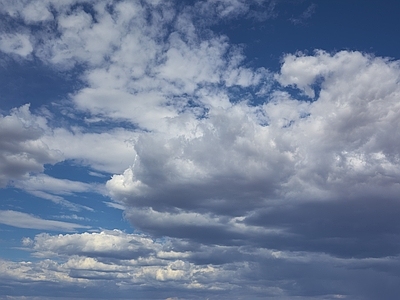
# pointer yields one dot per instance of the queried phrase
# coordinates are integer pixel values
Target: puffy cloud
(16, 44)
(291, 196)
(90, 148)
(21, 149)
(164, 268)
(240, 161)
(353, 132)
(32, 11)
(137, 69)
(124, 260)
(111, 244)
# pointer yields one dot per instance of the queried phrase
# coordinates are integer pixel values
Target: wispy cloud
(114, 205)
(23, 220)
(305, 15)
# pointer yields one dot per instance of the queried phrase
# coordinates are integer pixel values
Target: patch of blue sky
(92, 211)
(265, 43)
(20, 201)
(30, 81)
(299, 95)
(100, 216)
(65, 115)
(71, 170)
(254, 96)
(11, 242)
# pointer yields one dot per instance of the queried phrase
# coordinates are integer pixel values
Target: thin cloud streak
(23, 220)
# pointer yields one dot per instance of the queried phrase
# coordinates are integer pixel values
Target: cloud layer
(167, 268)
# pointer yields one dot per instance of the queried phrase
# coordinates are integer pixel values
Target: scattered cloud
(22, 150)
(234, 165)
(15, 44)
(287, 191)
(305, 15)
(166, 267)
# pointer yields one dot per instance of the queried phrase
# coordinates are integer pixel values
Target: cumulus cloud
(131, 75)
(107, 243)
(32, 12)
(21, 149)
(90, 148)
(130, 260)
(167, 267)
(339, 148)
(15, 44)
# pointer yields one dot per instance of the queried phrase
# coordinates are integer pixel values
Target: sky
(203, 149)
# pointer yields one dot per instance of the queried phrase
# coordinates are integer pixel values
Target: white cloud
(109, 151)
(22, 150)
(34, 11)
(114, 255)
(126, 262)
(23, 220)
(114, 205)
(16, 44)
(131, 74)
(106, 243)
(188, 65)
(240, 196)
(49, 196)
(72, 217)
(37, 11)
(28, 143)
(50, 188)
(50, 184)
(340, 146)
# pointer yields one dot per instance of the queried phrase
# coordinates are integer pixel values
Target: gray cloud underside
(322, 176)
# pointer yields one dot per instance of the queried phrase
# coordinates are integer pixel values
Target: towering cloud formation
(241, 162)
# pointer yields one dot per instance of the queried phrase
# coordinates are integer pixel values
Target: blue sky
(206, 149)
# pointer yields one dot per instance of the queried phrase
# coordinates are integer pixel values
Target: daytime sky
(202, 149)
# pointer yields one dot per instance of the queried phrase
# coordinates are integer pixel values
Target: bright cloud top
(232, 177)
